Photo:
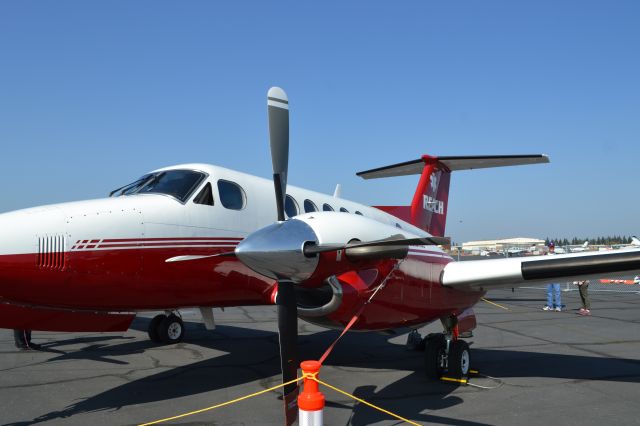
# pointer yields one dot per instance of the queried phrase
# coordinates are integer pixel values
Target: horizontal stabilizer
(520, 271)
(415, 167)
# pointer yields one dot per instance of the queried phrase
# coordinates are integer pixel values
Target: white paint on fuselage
(162, 216)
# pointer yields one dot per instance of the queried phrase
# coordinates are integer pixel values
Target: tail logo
(434, 183)
(432, 205)
(429, 201)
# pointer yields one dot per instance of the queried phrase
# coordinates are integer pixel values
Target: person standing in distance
(23, 341)
(583, 286)
(553, 289)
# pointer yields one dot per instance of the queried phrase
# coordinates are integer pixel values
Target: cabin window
(327, 208)
(179, 184)
(358, 213)
(205, 196)
(290, 206)
(343, 210)
(309, 206)
(231, 195)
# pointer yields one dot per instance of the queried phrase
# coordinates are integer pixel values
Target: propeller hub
(276, 251)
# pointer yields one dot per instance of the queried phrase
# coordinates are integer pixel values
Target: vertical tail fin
(431, 199)
(428, 209)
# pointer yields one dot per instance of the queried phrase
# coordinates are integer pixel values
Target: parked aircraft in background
(580, 248)
(490, 253)
(635, 243)
(572, 248)
(517, 251)
(198, 235)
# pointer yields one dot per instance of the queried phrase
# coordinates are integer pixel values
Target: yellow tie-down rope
(313, 377)
(213, 407)
(308, 376)
(466, 382)
(494, 304)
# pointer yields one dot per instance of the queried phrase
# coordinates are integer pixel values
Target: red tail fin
(430, 202)
(428, 209)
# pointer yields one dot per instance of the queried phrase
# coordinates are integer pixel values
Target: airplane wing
(519, 271)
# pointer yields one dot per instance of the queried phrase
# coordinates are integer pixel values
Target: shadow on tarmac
(252, 355)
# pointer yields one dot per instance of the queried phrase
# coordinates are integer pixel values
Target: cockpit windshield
(179, 184)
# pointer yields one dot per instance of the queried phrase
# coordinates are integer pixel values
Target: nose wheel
(459, 359)
(443, 355)
(435, 354)
(166, 329)
(446, 353)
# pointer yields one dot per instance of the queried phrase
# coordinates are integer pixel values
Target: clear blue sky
(94, 94)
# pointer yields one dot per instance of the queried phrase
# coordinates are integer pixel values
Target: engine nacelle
(278, 250)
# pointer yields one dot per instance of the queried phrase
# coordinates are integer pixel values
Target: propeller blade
(278, 106)
(399, 241)
(288, 334)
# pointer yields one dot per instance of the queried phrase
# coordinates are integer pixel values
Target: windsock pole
(310, 400)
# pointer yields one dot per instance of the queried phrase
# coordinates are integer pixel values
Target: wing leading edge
(518, 271)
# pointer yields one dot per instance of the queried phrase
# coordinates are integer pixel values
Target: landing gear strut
(166, 329)
(445, 353)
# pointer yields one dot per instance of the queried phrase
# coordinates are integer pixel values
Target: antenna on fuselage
(338, 192)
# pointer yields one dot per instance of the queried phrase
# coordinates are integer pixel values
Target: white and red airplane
(197, 235)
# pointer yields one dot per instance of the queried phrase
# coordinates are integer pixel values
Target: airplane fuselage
(111, 255)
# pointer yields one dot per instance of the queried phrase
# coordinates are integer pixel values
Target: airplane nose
(31, 241)
(276, 251)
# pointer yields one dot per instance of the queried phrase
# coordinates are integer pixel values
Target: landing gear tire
(435, 356)
(459, 359)
(154, 326)
(171, 329)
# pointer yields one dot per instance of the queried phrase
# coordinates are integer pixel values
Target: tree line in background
(607, 241)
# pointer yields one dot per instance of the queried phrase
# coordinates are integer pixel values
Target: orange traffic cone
(310, 400)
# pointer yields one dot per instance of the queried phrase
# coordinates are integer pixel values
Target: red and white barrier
(310, 400)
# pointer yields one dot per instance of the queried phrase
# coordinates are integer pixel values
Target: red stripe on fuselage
(133, 279)
(176, 242)
(173, 243)
(140, 278)
(124, 240)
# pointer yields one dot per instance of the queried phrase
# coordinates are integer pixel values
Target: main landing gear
(166, 328)
(444, 353)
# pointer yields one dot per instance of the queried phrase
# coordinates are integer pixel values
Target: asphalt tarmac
(537, 368)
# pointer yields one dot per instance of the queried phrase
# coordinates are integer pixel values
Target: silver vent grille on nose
(51, 252)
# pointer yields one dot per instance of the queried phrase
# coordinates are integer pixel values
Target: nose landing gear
(444, 352)
(166, 329)
(443, 355)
